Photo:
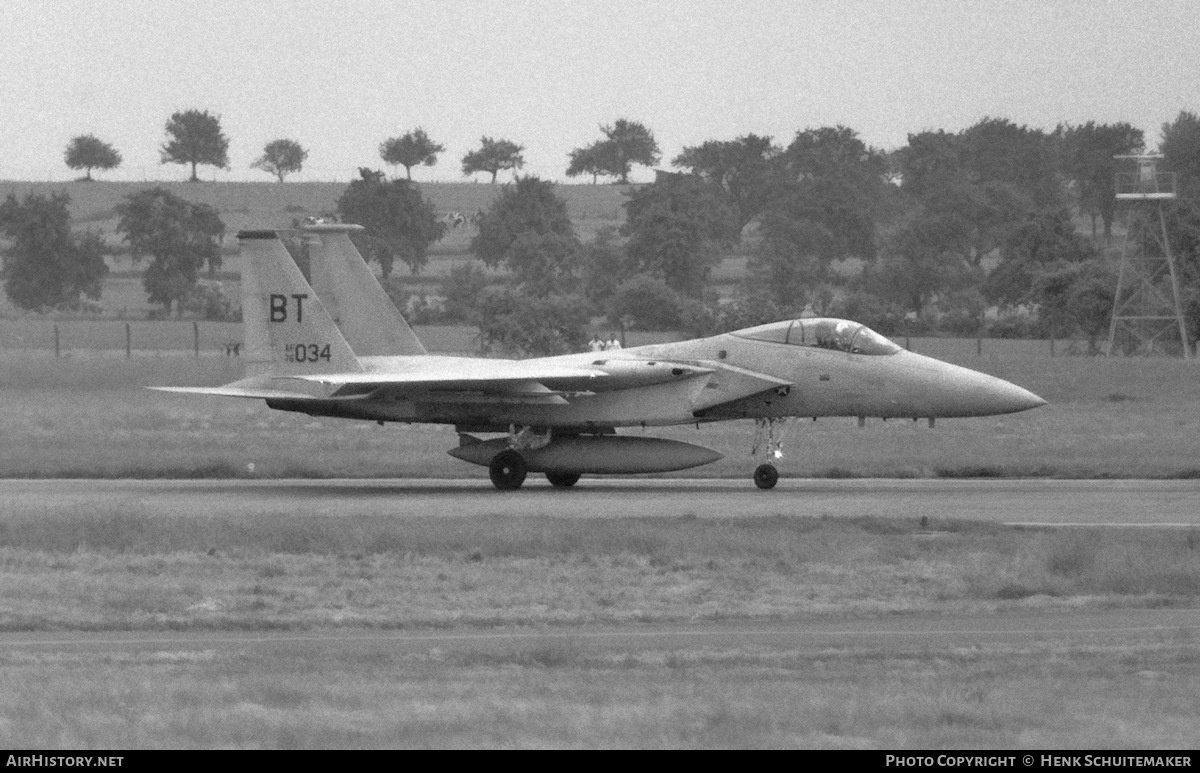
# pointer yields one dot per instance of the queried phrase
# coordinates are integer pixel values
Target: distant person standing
(596, 344)
(613, 342)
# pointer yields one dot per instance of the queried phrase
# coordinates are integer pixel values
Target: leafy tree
(778, 271)
(400, 222)
(677, 227)
(527, 207)
(178, 236)
(516, 323)
(835, 151)
(603, 266)
(1181, 151)
(592, 159)
(998, 150)
(46, 265)
(195, 137)
(838, 183)
(1045, 239)
(744, 168)
(747, 311)
(625, 143)
(876, 313)
(826, 198)
(493, 156)
(648, 303)
(1087, 159)
(632, 144)
(1077, 296)
(412, 149)
(922, 260)
(963, 198)
(461, 290)
(281, 158)
(544, 264)
(207, 300)
(931, 161)
(88, 153)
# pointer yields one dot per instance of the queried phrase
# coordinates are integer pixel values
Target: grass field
(1106, 418)
(1127, 697)
(133, 571)
(124, 568)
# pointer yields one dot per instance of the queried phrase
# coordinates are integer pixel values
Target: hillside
(275, 205)
(246, 205)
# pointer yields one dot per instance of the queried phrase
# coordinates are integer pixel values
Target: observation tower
(1147, 312)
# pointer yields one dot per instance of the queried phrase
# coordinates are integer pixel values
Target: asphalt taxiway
(892, 634)
(1112, 503)
(1149, 503)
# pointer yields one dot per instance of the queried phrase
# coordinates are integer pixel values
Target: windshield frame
(828, 333)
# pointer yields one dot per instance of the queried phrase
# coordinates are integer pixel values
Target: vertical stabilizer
(288, 332)
(364, 312)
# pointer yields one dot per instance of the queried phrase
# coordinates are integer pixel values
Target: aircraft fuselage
(812, 382)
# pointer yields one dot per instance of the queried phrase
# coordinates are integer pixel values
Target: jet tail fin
(288, 332)
(358, 304)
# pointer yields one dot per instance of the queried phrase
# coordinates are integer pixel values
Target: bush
(462, 289)
(208, 301)
(1018, 326)
(424, 310)
(517, 324)
(648, 303)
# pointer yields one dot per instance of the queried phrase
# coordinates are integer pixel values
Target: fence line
(224, 338)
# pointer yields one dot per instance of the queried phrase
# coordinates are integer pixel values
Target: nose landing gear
(766, 476)
(768, 437)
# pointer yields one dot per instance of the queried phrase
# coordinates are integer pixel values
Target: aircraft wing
(432, 378)
(460, 373)
(461, 379)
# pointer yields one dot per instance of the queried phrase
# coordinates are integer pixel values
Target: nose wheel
(768, 439)
(766, 476)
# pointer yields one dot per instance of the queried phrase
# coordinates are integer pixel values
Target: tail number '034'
(306, 352)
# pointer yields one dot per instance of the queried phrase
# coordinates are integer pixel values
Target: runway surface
(1131, 503)
(891, 635)
(1054, 502)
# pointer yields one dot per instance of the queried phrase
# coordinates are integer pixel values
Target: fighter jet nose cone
(952, 390)
(1005, 397)
(1028, 400)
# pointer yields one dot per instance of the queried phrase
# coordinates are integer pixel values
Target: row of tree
(195, 138)
(47, 266)
(928, 236)
(931, 234)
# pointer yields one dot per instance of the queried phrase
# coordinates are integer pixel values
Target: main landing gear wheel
(766, 476)
(562, 479)
(508, 470)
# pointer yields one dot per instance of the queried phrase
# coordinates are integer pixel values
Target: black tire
(508, 470)
(766, 476)
(562, 479)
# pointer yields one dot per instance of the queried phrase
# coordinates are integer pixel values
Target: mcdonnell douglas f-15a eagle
(343, 350)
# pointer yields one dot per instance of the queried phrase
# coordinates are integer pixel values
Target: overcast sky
(340, 77)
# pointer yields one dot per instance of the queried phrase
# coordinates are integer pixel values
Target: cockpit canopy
(824, 332)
